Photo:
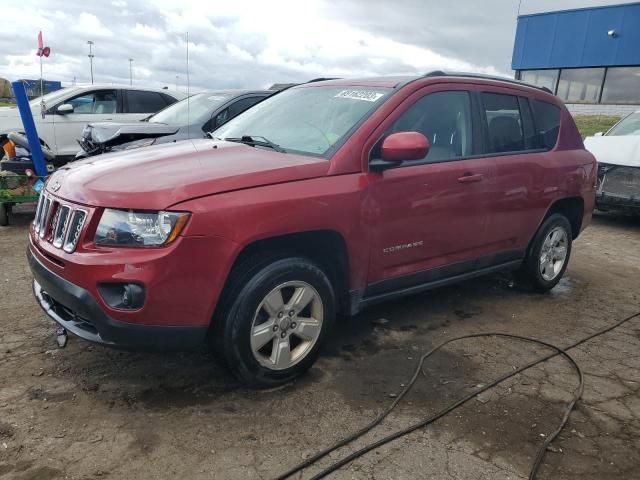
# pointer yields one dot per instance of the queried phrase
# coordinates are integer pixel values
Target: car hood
(111, 134)
(9, 119)
(615, 150)
(158, 177)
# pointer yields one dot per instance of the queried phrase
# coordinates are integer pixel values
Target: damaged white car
(618, 155)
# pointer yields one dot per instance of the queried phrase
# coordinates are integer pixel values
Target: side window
(528, 128)
(98, 102)
(547, 121)
(241, 105)
(168, 99)
(234, 110)
(139, 101)
(221, 118)
(504, 123)
(445, 119)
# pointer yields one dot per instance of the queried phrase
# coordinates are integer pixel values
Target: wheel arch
(326, 248)
(572, 208)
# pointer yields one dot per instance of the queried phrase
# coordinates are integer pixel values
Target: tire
(4, 214)
(542, 270)
(257, 330)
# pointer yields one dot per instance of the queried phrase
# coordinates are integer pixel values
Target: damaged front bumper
(618, 188)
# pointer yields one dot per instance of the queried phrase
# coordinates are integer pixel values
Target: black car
(188, 118)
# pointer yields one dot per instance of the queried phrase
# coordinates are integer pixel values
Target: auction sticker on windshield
(366, 95)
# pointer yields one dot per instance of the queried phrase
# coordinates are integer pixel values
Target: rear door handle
(471, 178)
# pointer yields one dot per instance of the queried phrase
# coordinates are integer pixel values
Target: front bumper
(610, 201)
(618, 188)
(75, 309)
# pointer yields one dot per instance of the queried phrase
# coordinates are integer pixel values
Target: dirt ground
(87, 412)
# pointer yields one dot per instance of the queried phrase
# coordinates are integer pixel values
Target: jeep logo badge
(56, 186)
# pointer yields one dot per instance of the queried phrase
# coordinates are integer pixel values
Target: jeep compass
(319, 201)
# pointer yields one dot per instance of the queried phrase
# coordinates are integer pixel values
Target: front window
(307, 120)
(100, 102)
(628, 126)
(195, 109)
(50, 99)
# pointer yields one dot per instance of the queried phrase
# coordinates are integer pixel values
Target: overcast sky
(243, 43)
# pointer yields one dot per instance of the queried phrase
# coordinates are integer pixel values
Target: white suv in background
(65, 112)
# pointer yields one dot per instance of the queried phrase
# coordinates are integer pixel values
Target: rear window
(504, 123)
(547, 122)
(139, 101)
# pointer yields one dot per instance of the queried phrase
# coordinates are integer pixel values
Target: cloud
(251, 44)
(89, 25)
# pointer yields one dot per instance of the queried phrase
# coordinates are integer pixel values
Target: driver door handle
(471, 178)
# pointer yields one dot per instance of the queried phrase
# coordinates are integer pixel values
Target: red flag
(42, 50)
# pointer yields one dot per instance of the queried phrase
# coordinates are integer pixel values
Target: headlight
(128, 228)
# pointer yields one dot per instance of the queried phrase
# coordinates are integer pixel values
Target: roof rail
(322, 79)
(440, 73)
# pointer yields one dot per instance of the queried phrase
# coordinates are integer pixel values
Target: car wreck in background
(618, 155)
(61, 115)
(190, 118)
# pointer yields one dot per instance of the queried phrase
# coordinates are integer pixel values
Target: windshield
(52, 98)
(628, 126)
(200, 108)
(308, 120)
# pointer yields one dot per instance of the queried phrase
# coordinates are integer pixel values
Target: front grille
(622, 181)
(59, 223)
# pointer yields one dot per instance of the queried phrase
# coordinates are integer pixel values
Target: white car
(618, 155)
(65, 112)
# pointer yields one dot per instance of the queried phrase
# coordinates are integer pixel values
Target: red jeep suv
(324, 199)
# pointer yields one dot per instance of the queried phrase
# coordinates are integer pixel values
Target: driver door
(431, 213)
(88, 107)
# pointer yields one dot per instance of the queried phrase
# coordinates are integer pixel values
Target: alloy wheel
(286, 325)
(553, 254)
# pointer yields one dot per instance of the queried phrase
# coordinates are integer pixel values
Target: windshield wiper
(256, 140)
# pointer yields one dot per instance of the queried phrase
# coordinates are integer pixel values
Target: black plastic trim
(441, 276)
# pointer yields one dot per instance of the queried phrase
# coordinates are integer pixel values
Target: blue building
(33, 86)
(589, 57)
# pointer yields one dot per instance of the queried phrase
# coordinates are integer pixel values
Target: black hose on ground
(426, 421)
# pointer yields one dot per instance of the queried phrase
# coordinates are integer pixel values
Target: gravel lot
(86, 412)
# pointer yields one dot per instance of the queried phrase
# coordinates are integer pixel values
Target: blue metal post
(29, 128)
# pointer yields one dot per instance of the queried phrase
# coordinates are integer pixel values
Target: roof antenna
(188, 94)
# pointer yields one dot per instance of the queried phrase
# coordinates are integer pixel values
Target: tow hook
(61, 337)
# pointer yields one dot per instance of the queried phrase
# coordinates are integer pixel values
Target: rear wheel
(277, 321)
(548, 254)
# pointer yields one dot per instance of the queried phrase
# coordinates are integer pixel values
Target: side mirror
(64, 109)
(598, 134)
(400, 147)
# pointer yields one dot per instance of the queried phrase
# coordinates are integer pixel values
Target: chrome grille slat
(46, 210)
(55, 217)
(59, 223)
(60, 230)
(75, 230)
(36, 219)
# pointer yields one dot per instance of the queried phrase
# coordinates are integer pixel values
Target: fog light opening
(122, 296)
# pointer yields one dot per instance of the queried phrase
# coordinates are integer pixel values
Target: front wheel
(548, 254)
(277, 322)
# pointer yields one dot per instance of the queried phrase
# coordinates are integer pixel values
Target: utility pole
(177, 76)
(130, 71)
(90, 43)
